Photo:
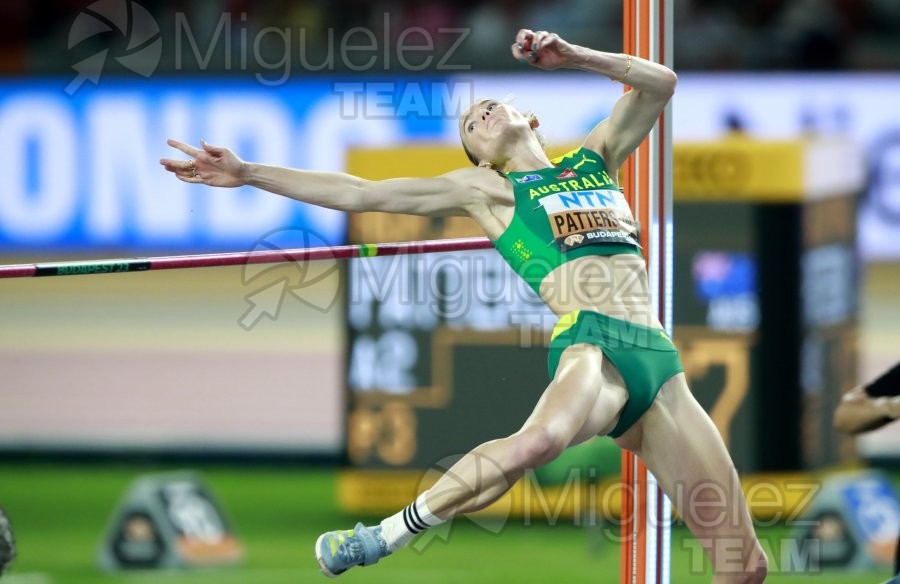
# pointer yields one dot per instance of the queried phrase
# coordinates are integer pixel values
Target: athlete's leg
(575, 406)
(870, 406)
(678, 442)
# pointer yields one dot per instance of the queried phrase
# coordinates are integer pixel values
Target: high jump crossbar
(340, 252)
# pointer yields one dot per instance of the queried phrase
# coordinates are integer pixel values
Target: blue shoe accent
(338, 551)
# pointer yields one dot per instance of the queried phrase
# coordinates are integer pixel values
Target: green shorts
(645, 357)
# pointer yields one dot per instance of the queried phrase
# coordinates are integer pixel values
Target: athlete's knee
(756, 576)
(755, 567)
(758, 567)
(538, 445)
(759, 575)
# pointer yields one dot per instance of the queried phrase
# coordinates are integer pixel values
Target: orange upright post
(646, 179)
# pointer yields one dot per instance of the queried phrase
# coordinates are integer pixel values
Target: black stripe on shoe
(416, 516)
(408, 522)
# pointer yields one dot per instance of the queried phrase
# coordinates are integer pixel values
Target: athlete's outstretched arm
(633, 115)
(448, 194)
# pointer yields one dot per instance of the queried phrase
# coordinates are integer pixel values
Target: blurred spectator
(707, 36)
(813, 34)
(710, 34)
(12, 38)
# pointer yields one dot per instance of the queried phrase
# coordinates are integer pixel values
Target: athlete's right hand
(210, 165)
(543, 49)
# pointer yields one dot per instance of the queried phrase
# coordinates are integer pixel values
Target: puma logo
(584, 159)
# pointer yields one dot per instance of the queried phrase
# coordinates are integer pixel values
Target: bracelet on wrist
(627, 70)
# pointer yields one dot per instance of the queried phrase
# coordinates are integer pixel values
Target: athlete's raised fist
(545, 50)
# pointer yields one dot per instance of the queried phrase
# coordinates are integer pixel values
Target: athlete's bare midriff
(615, 285)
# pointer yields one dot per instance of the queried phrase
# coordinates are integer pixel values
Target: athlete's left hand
(542, 49)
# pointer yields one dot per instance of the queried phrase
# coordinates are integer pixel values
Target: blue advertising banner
(83, 172)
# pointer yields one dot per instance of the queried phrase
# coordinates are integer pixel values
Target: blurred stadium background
(307, 396)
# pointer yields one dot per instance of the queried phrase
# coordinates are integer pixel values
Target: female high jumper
(565, 227)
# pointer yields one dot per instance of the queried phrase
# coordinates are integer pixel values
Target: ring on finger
(193, 169)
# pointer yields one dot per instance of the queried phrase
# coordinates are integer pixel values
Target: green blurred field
(59, 514)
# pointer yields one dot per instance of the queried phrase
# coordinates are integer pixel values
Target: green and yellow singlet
(565, 212)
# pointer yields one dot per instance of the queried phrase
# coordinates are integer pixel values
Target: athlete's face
(489, 126)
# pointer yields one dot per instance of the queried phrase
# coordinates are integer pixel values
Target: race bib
(584, 217)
